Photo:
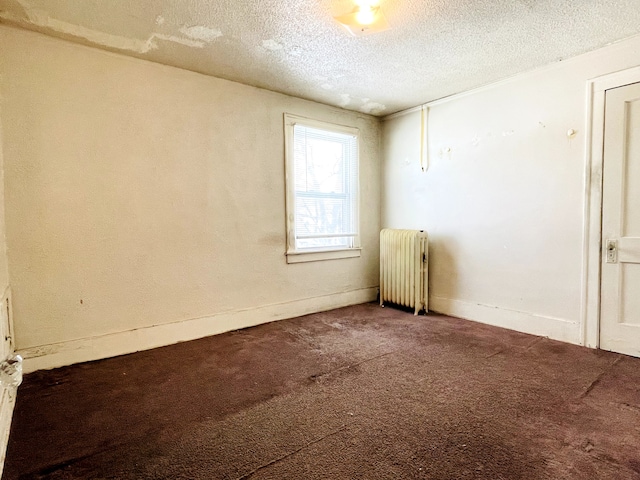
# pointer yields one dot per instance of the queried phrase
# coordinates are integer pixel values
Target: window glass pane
(321, 215)
(320, 163)
(325, 176)
(324, 243)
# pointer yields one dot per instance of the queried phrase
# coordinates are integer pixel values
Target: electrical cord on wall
(424, 138)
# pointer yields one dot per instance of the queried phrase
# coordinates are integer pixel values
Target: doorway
(620, 258)
(610, 270)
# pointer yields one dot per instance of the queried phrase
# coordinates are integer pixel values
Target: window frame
(293, 254)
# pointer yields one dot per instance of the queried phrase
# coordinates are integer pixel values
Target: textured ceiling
(435, 48)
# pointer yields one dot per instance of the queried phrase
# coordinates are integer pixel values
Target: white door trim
(596, 88)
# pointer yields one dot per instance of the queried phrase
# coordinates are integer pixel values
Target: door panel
(631, 180)
(630, 301)
(620, 283)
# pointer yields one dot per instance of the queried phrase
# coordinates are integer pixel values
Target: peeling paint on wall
(199, 32)
(372, 107)
(152, 45)
(195, 36)
(41, 19)
(271, 44)
(345, 100)
(301, 48)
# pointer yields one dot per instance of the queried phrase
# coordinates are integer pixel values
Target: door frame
(596, 90)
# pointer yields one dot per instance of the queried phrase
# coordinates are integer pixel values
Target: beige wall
(141, 195)
(4, 268)
(504, 197)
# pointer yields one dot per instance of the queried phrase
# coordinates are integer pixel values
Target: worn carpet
(357, 393)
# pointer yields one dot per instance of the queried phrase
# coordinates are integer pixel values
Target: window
(322, 190)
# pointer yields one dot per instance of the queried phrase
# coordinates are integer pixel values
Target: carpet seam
(597, 380)
(287, 455)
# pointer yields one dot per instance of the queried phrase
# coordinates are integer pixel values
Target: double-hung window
(322, 190)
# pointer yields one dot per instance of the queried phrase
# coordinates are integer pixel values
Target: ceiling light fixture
(366, 14)
(366, 18)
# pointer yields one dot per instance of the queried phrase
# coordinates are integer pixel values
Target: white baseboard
(7, 403)
(554, 328)
(121, 343)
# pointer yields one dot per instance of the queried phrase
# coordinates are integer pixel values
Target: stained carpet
(356, 393)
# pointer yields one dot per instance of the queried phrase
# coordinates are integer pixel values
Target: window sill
(315, 256)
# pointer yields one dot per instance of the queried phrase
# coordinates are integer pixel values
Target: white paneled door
(620, 282)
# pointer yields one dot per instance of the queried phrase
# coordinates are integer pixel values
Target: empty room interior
(321, 239)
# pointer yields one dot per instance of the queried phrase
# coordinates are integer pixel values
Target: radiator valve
(11, 372)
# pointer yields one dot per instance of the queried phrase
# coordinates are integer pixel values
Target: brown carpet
(356, 393)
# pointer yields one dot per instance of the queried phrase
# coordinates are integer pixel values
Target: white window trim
(298, 256)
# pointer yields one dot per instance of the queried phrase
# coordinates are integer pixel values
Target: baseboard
(7, 403)
(554, 328)
(120, 343)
